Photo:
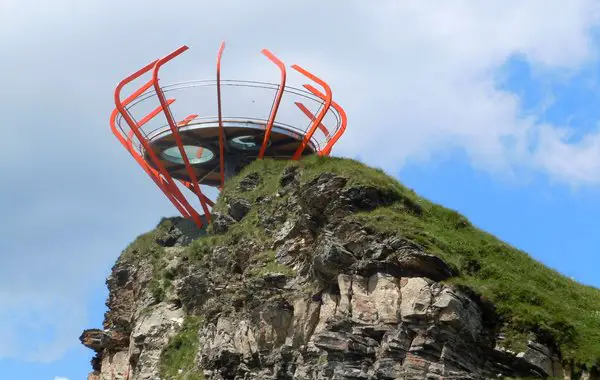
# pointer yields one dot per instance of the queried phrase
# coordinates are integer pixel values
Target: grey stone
(351, 304)
(414, 262)
(539, 356)
(221, 222)
(238, 208)
(333, 260)
(250, 182)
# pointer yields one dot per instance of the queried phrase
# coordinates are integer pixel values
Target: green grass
(528, 296)
(202, 247)
(265, 263)
(355, 172)
(270, 172)
(145, 247)
(181, 351)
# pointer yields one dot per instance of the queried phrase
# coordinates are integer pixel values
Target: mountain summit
(327, 269)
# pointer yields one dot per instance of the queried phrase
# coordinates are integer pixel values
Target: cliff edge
(328, 269)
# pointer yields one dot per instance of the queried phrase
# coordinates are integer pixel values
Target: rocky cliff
(327, 269)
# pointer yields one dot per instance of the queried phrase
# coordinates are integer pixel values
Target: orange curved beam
(278, 96)
(171, 194)
(188, 119)
(311, 131)
(120, 105)
(145, 120)
(173, 126)
(340, 131)
(221, 132)
(164, 185)
(152, 173)
(310, 115)
(154, 112)
(190, 187)
(138, 158)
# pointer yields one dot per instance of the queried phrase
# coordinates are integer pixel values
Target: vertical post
(320, 116)
(128, 144)
(310, 115)
(120, 105)
(174, 129)
(340, 130)
(278, 96)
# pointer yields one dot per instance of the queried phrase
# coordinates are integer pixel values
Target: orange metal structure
(182, 151)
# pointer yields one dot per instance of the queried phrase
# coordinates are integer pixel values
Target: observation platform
(243, 140)
(211, 129)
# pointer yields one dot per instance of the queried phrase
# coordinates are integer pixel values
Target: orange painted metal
(167, 112)
(120, 105)
(221, 132)
(209, 201)
(206, 199)
(278, 97)
(157, 171)
(140, 90)
(344, 121)
(311, 131)
(155, 112)
(151, 172)
(310, 115)
(188, 119)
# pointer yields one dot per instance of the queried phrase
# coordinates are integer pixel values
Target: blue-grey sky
(487, 107)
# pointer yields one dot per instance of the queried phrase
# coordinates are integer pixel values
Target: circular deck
(243, 139)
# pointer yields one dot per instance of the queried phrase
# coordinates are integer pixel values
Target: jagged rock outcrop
(291, 286)
(99, 340)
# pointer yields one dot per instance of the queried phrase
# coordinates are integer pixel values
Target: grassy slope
(177, 360)
(528, 295)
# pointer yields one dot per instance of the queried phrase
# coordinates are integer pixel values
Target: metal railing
(134, 120)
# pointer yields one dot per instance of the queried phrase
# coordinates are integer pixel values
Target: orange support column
(340, 131)
(166, 110)
(120, 105)
(278, 97)
(311, 131)
(151, 147)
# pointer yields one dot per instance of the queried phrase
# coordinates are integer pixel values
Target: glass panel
(195, 154)
(251, 143)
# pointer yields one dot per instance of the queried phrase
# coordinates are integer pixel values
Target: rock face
(292, 287)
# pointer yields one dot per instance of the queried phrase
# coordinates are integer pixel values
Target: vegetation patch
(202, 247)
(146, 247)
(146, 244)
(269, 171)
(528, 296)
(265, 263)
(178, 359)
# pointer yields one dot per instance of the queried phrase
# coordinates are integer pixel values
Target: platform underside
(243, 141)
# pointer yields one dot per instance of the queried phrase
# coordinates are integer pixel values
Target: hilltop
(326, 268)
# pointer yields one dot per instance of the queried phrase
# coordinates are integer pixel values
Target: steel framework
(196, 132)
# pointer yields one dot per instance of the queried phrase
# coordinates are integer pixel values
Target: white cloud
(438, 92)
(418, 75)
(417, 78)
(60, 378)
